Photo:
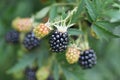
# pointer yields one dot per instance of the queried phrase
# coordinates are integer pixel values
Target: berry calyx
(87, 59)
(72, 55)
(41, 30)
(30, 41)
(58, 41)
(12, 36)
(22, 24)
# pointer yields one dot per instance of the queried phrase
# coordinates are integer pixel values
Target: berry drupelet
(30, 41)
(87, 59)
(58, 41)
(12, 36)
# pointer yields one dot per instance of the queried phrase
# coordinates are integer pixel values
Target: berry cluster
(58, 41)
(30, 41)
(12, 36)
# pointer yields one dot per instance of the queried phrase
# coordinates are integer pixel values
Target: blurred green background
(108, 52)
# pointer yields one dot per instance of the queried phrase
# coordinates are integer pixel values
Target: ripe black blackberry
(30, 73)
(30, 41)
(58, 41)
(87, 59)
(12, 36)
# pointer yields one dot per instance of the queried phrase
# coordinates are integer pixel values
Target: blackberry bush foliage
(71, 28)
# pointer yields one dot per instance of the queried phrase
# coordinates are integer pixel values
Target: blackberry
(58, 41)
(41, 30)
(30, 41)
(22, 24)
(30, 73)
(72, 55)
(12, 36)
(87, 59)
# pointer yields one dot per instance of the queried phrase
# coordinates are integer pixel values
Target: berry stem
(86, 41)
(22, 35)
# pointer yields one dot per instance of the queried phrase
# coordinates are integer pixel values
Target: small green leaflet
(42, 13)
(74, 32)
(56, 71)
(53, 12)
(91, 10)
(103, 33)
(114, 15)
(79, 11)
(69, 75)
(27, 60)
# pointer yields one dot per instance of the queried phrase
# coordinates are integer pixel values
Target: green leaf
(74, 32)
(42, 13)
(102, 33)
(79, 11)
(69, 75)
(27, 60)
(42, 55)
(40, 59)
(56, 71)
(22, 8)
(108, 25)
(114, 15)
(91, 10)
(53, 12)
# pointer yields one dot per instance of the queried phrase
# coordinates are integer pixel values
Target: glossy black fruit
(59, 41)
(87, 59)
(30, 41)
